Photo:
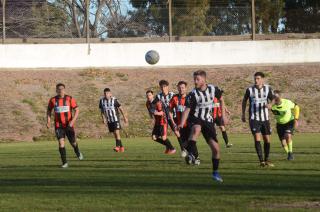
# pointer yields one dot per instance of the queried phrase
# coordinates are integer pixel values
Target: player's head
(182, 87)
(60, 87)
(149, 95)
(164, 86)
(259, 78)
(200, 78)
(107, 93)
(277, 97)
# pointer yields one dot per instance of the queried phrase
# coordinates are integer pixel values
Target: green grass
(144, 179)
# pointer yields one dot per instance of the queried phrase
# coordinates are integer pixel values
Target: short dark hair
(106, 90)
(163, 83)
(182, 83)
(276, 93)
(60, 84)
(149, 91)
(200, 73)
(259, 74)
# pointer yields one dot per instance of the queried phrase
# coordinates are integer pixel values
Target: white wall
(171, 54)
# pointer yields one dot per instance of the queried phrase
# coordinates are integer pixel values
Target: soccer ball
(152, 57)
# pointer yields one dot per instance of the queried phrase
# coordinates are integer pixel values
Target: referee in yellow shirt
(287, 114)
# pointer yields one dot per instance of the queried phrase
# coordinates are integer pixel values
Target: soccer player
(217, 117)
(259, 96)
(160, 129)
(287, 115)
(110, 107)
(63, 106)
(198, 112)
(150, 103)
(177, 105)
(165, 96)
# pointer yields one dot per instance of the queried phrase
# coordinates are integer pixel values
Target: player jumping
(63, 105)
(110, 107)
(259, 96)
(198, 112)
(287, 121)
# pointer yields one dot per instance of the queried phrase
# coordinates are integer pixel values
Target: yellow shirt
(283, 112)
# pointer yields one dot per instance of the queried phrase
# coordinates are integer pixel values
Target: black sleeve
(116, 103)
(100, 106)
(247, 94)
(218, 92)
(191, 101)
(270, 94)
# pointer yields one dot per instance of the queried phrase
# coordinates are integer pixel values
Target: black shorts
(218, 121)
(208, 129)
(113, 126)
(160, 130)
(67, 131)
(283, 129)
(262, 127)
(185, 133)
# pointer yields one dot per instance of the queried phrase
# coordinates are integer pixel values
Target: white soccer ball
(152, 57)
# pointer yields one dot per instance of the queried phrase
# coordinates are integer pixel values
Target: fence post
(3, 21)
(253, 19)
(170, 20)
(87, 26)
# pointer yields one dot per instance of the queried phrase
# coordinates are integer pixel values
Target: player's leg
(282, 138)
(266, 132)
(72, 140)
(256, 132)
(60, 134)
(210, 135)
(176, 132)
(289, 142)
(225, 136)
(119, 147)
(184, 135)
(169, 148)
(193, 155)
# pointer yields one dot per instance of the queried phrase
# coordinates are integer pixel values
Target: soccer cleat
(166, 151)
(171, 151)
(216, 177)
(197, 161)
(229, 145)
(269, 164)
(116, 149)
(189, 159)
(80, 156)
(121, 149)
(262, 164)
(65, 165)
(184, 153)
(290, 156)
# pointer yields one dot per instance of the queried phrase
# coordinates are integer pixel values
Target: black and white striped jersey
(259, 99)
(201, 102)
(110, 108)
(165, 99)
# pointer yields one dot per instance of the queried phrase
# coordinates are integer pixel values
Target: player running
(217, 119)
(259, 95)
(198, 112)
(177, 105)
(110, 107)
(63, 106)
(165, 96)
(159, 133)
(287, 121)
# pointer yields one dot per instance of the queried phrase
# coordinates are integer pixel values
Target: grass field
(144, 179)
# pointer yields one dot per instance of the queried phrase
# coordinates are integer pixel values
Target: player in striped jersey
(110, 108)
(287, 116)
(63, 106)
(177, 105)
(198, 112)
(259, 96)
(217, 117)
(156, 111)
(165, 96)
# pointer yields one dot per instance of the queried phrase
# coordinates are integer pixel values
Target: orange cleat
(171, 151)
(116, 149)
(121, 149)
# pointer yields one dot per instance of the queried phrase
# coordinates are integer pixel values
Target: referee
(259, 96)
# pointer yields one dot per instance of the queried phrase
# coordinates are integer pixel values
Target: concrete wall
(171, 54)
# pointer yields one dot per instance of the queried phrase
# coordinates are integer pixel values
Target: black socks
(192, 148)
(258, 150)
(63, 154)
(215, 164)
(225, 137)
(266, 151)
(118, 143)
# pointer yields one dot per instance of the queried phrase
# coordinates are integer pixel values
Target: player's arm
(244, 105)
(223, 111)
(296, 112)
(190, 103)
(49, 111)
(74, 107)
(270, 99)
(123, 114)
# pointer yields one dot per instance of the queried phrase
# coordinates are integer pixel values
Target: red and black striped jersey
(177, 103)
(150, 107)
(217, 109)
(160, 120)
(62, 107)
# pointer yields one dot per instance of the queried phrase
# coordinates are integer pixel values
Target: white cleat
(184, 153)
(81, 156)
(65, 166)
(197, 161)
(229, 145)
